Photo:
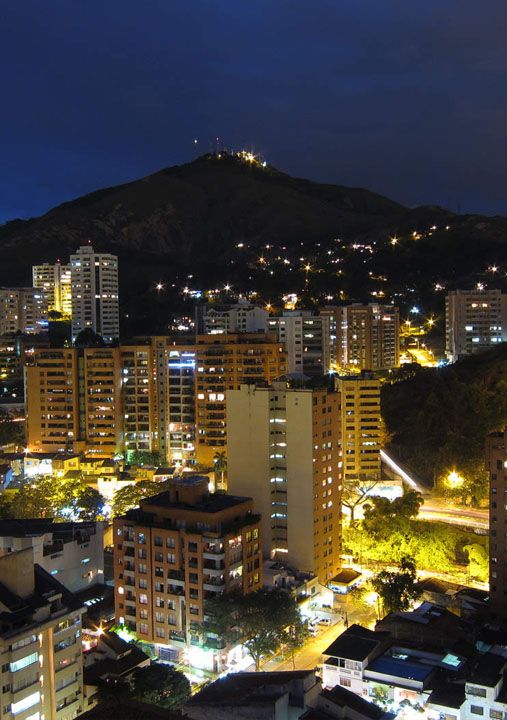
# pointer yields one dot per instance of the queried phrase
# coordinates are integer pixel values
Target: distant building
(475, 320)
(496, 460)
(72, 552)
(22, 310)
(175, 551)
(40, 641)
(283, 449)
(307, 341)
(363, 337)
(220, 319)
(95, 293)
(55, 282)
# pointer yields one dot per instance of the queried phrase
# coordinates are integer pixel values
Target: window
(476, 691)
(345, 682)
(496, 714)
(171, 542)
(159, 617)
(143, 628)
(159, 602)
(160, 632)
(143, 599)
(24, 662)
(25, 703)
(477, 709)
(171, 558)
(171, 619)
(143, 614)
(143, 583)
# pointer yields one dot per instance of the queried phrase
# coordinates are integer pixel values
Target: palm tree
(220, 464)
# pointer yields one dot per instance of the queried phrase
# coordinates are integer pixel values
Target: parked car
(325, 621)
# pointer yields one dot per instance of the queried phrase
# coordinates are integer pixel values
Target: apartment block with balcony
(174, 552)
(55, 282)
(283, 449)
(306, 339)
(475, 320)
(95, 302)
(41, 673)
(363, 337)
(223, 363)
(22, 309)
(239, 317)
(361, 426)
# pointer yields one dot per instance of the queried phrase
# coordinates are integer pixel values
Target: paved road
(435, 510)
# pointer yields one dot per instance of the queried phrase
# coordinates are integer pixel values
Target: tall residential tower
(95, 293)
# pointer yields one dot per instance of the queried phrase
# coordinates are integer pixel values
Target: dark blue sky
(405, 97)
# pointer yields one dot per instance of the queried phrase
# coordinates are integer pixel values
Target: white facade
(95, 293)
(474, 321)
(22, 309)
(73, 554)
(307, 341)
(242, 317)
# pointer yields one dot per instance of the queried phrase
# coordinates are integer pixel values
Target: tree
(384, 515)
(294, 637)
(161, 685)
(89, 338)
(220, 466)
(355, 492)
(10, 431)
(89, 504)
(397, 589)
(145, 457)
(130, 496)
(478, 558)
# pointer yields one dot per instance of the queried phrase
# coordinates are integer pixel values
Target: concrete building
(55, 282)
(95, 293)
(496, 460)
(363, 337)
(475, 320)
(73, 553)
(22, 310)
(361, 426)
(220, 319)
(223, 363)
(307, 341)
(40, 642)
(178, 549)
(179, 408)
(283, 449)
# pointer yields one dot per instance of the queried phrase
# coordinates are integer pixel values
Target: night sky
(408, 98)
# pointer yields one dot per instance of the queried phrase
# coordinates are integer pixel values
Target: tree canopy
(397, 589)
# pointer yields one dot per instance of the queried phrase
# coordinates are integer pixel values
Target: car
(325, 621)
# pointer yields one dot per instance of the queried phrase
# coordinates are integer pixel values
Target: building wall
(95, 293)
(22, 310)
(496, 460)
(55, 282)
(474, 321)
(284, 450)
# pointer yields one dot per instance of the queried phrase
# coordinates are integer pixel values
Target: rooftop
(451, 695)
(346, 699)
(356, 643)
(488, 670)
(129, 710)
(406, 668)
(212, 503)
(245, 688)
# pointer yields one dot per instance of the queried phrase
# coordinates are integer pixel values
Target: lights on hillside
(393, 241)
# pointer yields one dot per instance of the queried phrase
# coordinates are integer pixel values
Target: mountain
(228, 219)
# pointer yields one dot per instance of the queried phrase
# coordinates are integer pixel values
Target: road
(438, 511)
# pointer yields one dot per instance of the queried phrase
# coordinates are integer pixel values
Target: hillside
(221, 220)
(438, 418)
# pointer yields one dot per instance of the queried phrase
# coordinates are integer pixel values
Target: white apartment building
(307, 341)
(283, 451)
(223, 319)
(475, 320)
(95, 293)
(41, 667)
(72, 553)
(55, 281)
(22, 310)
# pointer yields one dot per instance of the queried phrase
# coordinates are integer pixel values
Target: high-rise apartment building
(361, 426)
(223, 363)
(496, 460)
(241, 317)
(363, 337)
(22, 310)
(55, 282)
(283, 449)
(475, 320)
(41, 674)
(306, 338)
(95, 293)
(179, 549)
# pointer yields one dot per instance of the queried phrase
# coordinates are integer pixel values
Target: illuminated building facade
(55, 282)
(95, 306)
(475, 320)
(363, 337)
(40, 640)
(307, 340)
(241, 317)
(361, 426)
(22, 310)
(223, 363)
(174, 552)
(283, 449)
